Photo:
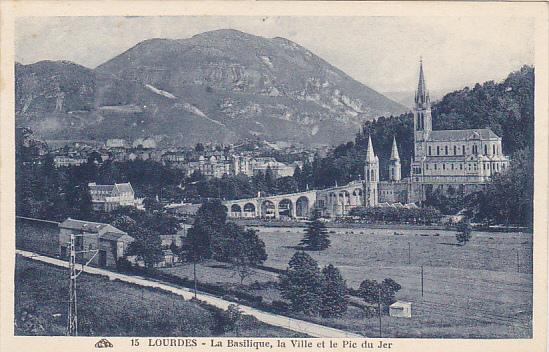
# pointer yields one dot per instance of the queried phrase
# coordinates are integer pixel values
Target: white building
(401, 309)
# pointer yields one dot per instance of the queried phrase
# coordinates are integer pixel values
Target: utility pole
(72, 324)
(422, 281)
(379, 307)
(518, 261)
(194, 272)
(409, 256)
(72, 316)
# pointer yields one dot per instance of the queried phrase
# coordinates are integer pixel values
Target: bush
(280, 306)
(464, 235)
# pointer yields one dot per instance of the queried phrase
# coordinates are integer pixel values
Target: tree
(147, 247)
(208, 224)
(124, 223)
(199, 147)
(373, 292)
(242, 248)
(334, 299)
(301, 284)
(316, 236)
(464, 232)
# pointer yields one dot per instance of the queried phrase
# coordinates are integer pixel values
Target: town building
(65, 160)
(110, 243)
(110, 197)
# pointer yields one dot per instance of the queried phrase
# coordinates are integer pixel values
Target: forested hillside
(506, 107)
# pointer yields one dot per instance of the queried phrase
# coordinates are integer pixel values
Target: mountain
(217, 86)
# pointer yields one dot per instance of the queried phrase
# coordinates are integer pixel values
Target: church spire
(422, 96)
(370, 153)
(394, 150)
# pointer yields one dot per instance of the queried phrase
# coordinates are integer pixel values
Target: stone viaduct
(335, 201)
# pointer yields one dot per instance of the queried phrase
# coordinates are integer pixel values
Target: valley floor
(471, 291)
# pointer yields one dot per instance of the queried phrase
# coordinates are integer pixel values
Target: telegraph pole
(518, 261)
(422, 281)
(72, 326)
(72, 316)
(379, 308)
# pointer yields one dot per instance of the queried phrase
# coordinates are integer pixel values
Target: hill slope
(216, 86)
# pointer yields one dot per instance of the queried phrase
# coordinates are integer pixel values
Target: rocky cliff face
(218, 86)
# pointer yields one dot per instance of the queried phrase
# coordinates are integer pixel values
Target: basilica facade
(451, 161)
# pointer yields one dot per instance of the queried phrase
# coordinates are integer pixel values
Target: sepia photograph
(274, 176)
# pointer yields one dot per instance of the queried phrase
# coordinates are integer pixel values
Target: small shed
(401, 309)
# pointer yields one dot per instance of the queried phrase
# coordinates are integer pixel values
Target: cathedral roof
(462, 135)
(370, 153)
(422, 96)
(394, 151)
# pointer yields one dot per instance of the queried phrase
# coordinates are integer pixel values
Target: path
(297, 325)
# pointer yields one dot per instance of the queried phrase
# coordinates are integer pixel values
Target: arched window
(463, 150)
(435, 166)
(485, 149)
(443, 166)
(429, 150)
(455, 150)
(438, 150)
(493, 149)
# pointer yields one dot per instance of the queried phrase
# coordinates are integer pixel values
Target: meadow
(471, 291)
(476, 290)
(113, 308)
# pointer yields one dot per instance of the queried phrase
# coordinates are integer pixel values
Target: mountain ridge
(217, 86)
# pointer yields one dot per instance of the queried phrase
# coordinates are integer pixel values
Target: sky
(381, 52)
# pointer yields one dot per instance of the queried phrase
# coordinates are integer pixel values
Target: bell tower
(422, 115)
(371, 176)
(394, 163)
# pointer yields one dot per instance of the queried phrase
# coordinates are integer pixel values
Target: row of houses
(210, 163)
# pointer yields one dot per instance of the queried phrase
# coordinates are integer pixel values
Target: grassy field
(471, 291)
(113, 308)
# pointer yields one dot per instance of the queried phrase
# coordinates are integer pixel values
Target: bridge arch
(268, 209)
(302, 207)
(286, 208)
(249, 210)
(236, 210)
(357, 196)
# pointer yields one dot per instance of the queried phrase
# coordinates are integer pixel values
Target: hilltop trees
(509, 199)
(316, 236)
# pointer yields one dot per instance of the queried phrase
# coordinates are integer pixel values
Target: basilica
(451, 161)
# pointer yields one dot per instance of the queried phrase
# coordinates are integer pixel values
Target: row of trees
(212, 236)
(313, 291)
(424, 216)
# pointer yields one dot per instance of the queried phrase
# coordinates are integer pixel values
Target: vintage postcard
(290, 176)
